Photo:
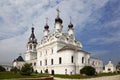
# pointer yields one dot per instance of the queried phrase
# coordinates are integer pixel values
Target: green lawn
(10, 75)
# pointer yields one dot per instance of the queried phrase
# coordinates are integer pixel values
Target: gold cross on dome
(32, 25)
(70, 19)
(19, 54)
(46, 20)
(58, 11)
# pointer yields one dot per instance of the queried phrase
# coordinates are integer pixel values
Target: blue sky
(96, 25)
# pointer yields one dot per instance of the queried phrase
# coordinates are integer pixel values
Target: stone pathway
(116, 77)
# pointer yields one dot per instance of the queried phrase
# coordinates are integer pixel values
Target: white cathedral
(58, 52)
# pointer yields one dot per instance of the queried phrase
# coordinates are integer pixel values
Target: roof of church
(57, 19)
(71, 47)
(32, 38)
(95, 58)
(19, 59)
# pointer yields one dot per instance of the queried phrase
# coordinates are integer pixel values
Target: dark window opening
(109, 69)
(52, 72)
(51, 61)
(40, 63)
(82, 59)
(60, 60)
(45, 62)
(30, 46)
(72, 59)
(34, 63)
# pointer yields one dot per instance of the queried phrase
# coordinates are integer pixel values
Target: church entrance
(46, 71)
(52, 72)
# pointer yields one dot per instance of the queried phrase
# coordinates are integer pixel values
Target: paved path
(116, 77)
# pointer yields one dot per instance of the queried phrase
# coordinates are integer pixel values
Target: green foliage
(15, 70)
(118, 67)
(88, 70)
(2, 69)
(26, 69)
(10, 75)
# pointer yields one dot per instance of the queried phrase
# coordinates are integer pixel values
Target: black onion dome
(46, 27)
(58, 20)
(70, 25)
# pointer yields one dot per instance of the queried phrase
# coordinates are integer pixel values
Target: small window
(34, 46)
(109, 69)
(60, 60)
(65, 71)
(71, 59)
(51, 61)
(40, 63)
(82, 59)
(45, 62)
(46, 52)
(88, 61)
(52, 51)
(93, 63)
(30, 46)
(34, 63)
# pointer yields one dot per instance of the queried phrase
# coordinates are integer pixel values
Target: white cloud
(106, 40)
(99, 52)
(18, 16)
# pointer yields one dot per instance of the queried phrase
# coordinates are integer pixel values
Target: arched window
(82, 59)
(40, 63)
(30, 46)
(34, 63)
(52, 72)
(52, 51)
(45, 52)
(51, 61)
(60, 60)
(46, 62)
(88, 61)
(72, 59)
(65, 71)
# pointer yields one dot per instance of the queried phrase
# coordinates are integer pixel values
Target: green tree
(88, 70)
(15, 70)
(2, 69)
(26, 69)
(118, 67)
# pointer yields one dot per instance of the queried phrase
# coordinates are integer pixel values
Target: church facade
(58, 52)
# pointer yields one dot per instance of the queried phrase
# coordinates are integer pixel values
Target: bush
(15, 70)
(2, 69)
(118, 67)
(88, 70)
(26, 69)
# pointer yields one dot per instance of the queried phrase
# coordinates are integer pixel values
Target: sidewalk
(115, 77)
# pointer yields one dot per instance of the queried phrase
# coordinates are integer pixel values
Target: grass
(10, 75)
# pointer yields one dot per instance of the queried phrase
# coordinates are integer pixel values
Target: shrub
(88, 70)
(14, 69)
(2, 69)
(118, 67)
(26, 69)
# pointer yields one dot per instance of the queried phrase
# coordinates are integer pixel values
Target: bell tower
(31, 52)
